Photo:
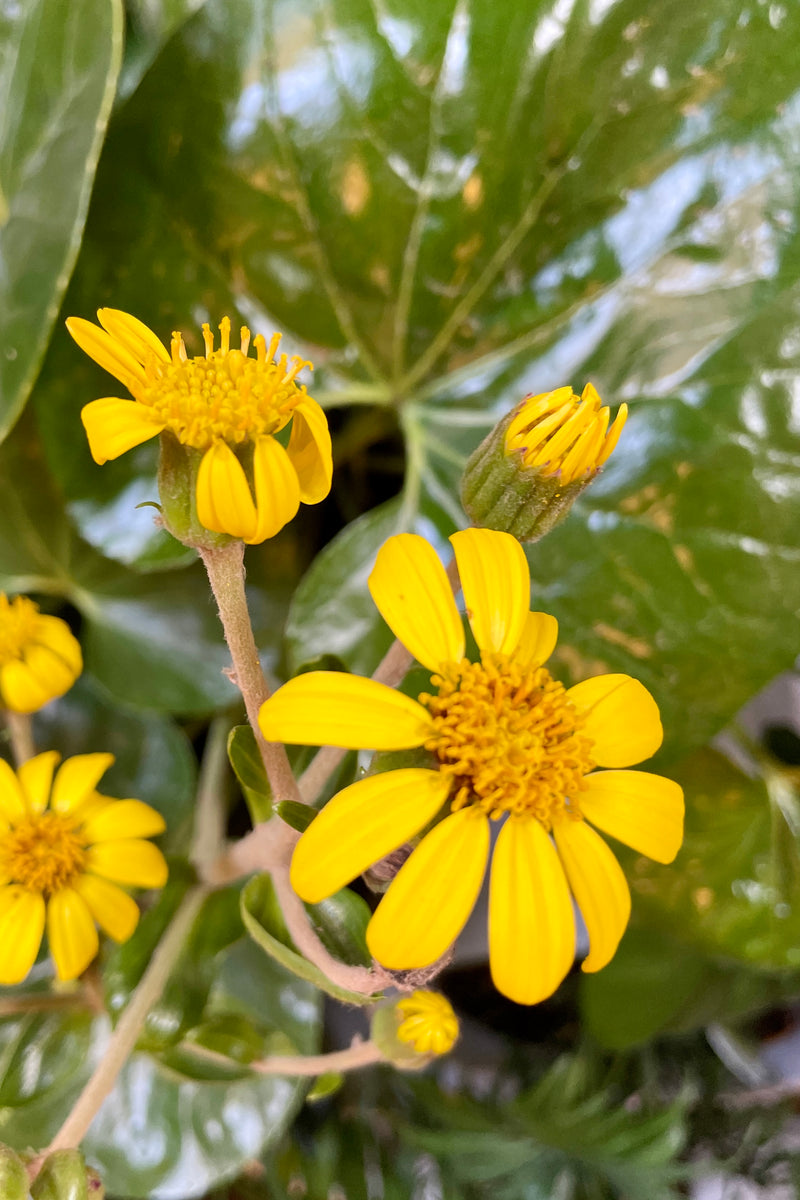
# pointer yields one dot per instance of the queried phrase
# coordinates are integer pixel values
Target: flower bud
(13, 1176)
(414, 1030)
(525, 476)
(62, 1177)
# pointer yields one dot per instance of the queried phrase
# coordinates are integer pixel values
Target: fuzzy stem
(124, 1038)
(225, 567)
(359, 1054)
(20, 731)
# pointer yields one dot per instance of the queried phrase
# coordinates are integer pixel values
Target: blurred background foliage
(444, 205)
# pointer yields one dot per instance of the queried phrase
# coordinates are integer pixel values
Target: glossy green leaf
(298, 816)
(153, 758)
(58, 71)
(734, 888)
(248, 767)
(340, 922)
(659, 984)
(150, 24)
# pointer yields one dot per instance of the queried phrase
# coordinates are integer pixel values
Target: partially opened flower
(39, 657)
(508, 745)
(66, 855)
(225, 407)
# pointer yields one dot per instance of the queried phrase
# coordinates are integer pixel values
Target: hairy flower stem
(225, 567)
(20, 731)
(359, 1054)
(124, 1038)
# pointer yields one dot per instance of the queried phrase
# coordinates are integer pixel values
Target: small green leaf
(338, 921)
(248, 767)
(325, 1086)
(63, 1177)
(298, 815)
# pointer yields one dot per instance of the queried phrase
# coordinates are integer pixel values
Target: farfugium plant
(482, 763)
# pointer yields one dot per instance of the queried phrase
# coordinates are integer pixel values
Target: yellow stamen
(43, 853)
(510, 738)
(18, 620)
(223, 395)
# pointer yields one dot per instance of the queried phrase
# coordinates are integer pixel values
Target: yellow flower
(226, 407)
(429, 1023)
(509, 745)
(39, 657)
(563, 434)
(64, 848)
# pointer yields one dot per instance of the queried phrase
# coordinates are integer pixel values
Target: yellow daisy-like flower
(39, 657)
(429, 1023)
(562, 434)
(64, 849)
(226, 406)
(510, 745)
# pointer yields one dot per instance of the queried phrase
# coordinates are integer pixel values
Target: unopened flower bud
(62, 1177)
(13, 1176)
(525, 476)
(415, 1029)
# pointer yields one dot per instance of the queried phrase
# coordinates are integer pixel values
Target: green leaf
(58, 70)
(340, 923)
(298, 816)
(734, 889)
(153, 758)
(658, 984)
(248, 767)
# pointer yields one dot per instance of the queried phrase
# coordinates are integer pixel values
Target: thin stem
(20, 731)
(359, 1054)
(124, 1038)
(209, 813)
(355, 979)
(225, 567)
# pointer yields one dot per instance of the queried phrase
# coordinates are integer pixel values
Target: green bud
(13, 1176)
(525, 476)
(63, 1177)
(384, 1027)
(177, 488)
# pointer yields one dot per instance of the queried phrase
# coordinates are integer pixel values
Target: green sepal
(178, 466)
(63, 1177)
(498, 492)
(384, 1024)
(298, 815)
(13, 1176)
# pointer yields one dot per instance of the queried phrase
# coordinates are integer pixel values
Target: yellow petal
(310, 451)
(410, 588)
(110, 354)
(130, 861)
(621, 718)
(133, 334)
(331, 708)
(531, 922)
(496, 583)
(224, 502)
(71, 934)
(599, 887)
(76, 780)
(12, 797)
(57, 636)
(430, 899)
(115, 911)
(123, 819)
(26, 684)
(36, 777)
(642, 810)
(277, 489)
(114, 426)
(538, 640)
(361, 825)
(21, 929)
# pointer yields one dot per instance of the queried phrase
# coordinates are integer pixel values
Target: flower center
(18, 620)
(510, 738)
(43, 853)
(225, 396)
